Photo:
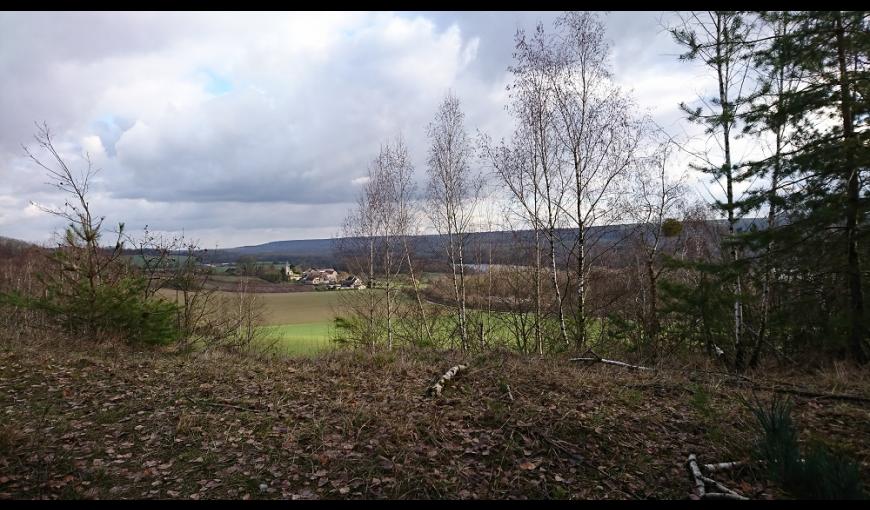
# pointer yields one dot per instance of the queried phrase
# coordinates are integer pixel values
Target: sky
(244, 128)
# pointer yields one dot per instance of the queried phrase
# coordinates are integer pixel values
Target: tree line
(772, 267)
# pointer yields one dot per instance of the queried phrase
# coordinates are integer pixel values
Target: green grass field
(302, 323)
(302, 339)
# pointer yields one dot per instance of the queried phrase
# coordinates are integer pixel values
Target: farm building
(352, 282)
(319, 276)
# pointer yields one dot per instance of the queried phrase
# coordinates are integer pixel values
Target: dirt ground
(114, 423)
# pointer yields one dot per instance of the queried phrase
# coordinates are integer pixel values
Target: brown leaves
(530, 465)
(335, 428)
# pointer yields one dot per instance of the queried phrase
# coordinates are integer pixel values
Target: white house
(318, 276)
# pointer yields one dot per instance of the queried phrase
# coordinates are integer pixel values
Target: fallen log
(725, 495)
(734, 379)
(436, 388)
(697, 477)
(803, 393)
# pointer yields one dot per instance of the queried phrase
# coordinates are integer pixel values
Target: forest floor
(113, 423)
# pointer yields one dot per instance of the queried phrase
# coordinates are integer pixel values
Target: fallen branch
(722, 466)
(611, 362)
(804, 393)
(697, 477)
(700, 481)
(450, 374)
(724, 495)
(722, 488)
(737, 379)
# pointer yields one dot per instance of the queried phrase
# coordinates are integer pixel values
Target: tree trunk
(562, 329)
(417, 293)
(654, 325)
(858, 333)
(581, 286)
(539, 341)
(729, 179)
(371, 291)
(463, 315)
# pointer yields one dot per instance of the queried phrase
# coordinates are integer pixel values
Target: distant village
(328, 277)
(272, 272)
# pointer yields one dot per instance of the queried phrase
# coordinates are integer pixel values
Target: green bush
(118, 309)
(821, 474)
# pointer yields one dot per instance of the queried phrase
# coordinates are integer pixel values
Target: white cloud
(248, 127)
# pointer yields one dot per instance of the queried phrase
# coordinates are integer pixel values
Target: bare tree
(655, 203)
(376, 241)
(410, 229)
(453, 192)
(358, 244)
(155, 253)
(533, 106)
(393, 183)
(79, 257)
(599, 133)
(514, 166)
(82, 238)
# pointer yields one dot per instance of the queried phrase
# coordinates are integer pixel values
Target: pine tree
(815, 99)
(718, 39)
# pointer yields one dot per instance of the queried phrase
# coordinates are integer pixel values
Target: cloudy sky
(243, 128)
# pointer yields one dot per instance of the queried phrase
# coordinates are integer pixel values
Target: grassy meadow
(301, 323)
(296, 323)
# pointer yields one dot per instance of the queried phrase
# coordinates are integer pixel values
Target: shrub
(117, 310)
(822, 474)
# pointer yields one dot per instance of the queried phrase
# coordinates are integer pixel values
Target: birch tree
(513, 164)
(600, 135)
(656, 201)
(393, 183)
(454, 189)
(533, 107)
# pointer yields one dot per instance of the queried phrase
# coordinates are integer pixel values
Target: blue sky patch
(216, 84)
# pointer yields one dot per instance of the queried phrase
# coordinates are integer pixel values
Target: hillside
(14, 244)
(323, 251)
(114, 423)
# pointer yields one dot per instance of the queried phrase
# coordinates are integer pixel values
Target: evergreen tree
(719, 40)
(813, 101)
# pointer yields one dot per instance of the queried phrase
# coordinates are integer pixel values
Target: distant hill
(322, 251)
(299, 252)
(14, 244)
